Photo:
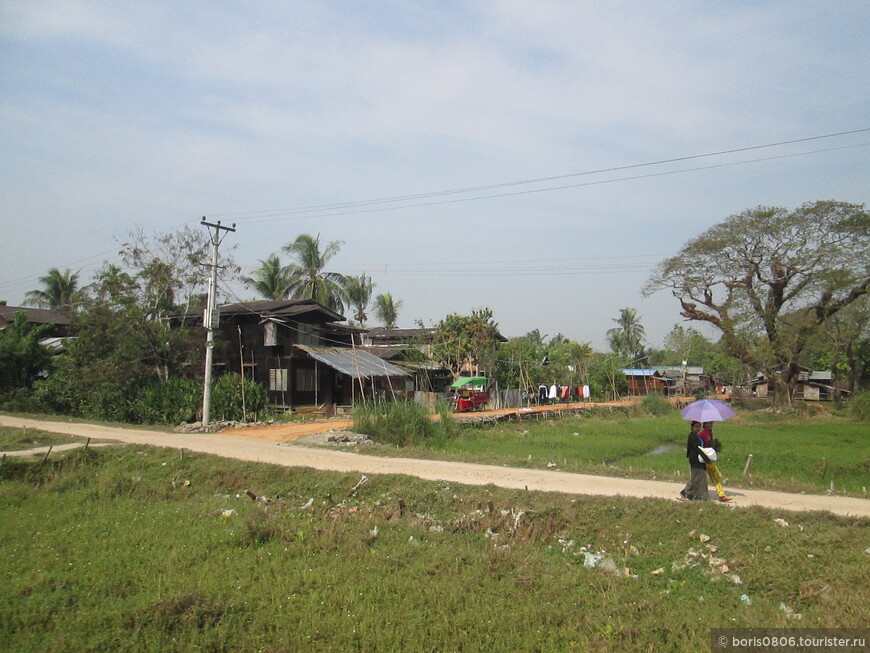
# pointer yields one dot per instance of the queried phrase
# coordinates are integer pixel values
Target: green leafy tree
(843, 345)
(725, 368)
(59, 291)
(606, 379)
(309, 280)
(572, 359)
(21, 355)
(527, 362)
(462, 339)
(387, 310)
(114, 287)
(535, 337)
(628, 337)
(359, 293)
(769, 279)
(168, 277)
(169, 346)
(102, 367)
(685, 344)
(271, 280)
(518, 362)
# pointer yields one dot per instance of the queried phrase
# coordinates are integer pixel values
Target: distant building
(812, 385)
(59, 321)
(687, 379)
(647, 381)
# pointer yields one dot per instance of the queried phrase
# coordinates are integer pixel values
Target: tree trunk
(783, 391)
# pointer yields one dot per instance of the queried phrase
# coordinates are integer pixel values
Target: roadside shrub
(20, 400)
(859, 407)
(656, 405)
(168, 402)
(226, 398)
(106, 402)
(402, 422)
(446, 426)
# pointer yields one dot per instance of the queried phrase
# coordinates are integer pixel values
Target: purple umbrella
(707, 410)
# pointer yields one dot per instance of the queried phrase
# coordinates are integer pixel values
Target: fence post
(748, 465)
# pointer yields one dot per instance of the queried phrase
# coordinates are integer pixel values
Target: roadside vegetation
(404, 423)
(791, 453)
(143, 549)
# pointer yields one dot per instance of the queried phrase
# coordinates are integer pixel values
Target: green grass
(50, 417)
(13, 439)
(796, 454)
(141, 549)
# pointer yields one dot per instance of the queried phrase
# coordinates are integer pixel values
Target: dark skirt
(697, 489)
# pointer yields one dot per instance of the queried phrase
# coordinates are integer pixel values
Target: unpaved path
(261, 450)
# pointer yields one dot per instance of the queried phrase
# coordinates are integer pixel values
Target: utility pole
(211, 318)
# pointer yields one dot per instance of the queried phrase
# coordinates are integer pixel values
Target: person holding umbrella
(696, 488)
(713, 466)
(707, 411)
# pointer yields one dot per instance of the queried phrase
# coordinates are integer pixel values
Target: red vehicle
(470, 393)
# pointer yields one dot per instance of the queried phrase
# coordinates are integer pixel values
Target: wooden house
(647, 381)
(60, 324)
(60, 321)
(687, 379)
(300, 353)
(811, 385)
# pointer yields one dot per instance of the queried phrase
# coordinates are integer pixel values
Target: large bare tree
(770, 278)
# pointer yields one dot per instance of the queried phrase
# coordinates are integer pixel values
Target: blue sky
(117, 116)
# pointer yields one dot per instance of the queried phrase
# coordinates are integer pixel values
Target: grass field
(141, 549)
(792, 454)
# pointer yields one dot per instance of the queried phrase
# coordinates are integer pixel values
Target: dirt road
(259, 449)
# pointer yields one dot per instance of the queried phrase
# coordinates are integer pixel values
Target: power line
(282, 216)
(382, 204)
(319, 208)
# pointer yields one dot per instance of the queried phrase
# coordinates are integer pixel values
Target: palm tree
(359, 294)
(627, 338)
(59, 290)
(114, 285)
(307, 278)
(271, 280)
(387, 310)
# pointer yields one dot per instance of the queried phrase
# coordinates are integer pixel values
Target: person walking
(713, 467)
(696, 489)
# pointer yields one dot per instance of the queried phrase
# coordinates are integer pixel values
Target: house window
(309, 335)
(305, 380)
(270, 338)
(278, 380)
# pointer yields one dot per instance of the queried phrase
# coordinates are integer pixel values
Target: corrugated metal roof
(422, 365)
(383, 333)
(635, 372)
(355, 363)
(671, 370)
(57, 345)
